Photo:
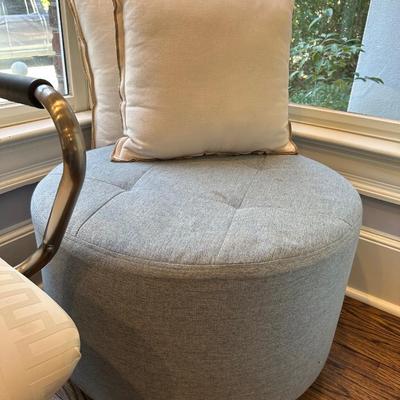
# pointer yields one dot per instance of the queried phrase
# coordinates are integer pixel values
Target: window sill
(29, 151)
(374, 147)
(372, 164)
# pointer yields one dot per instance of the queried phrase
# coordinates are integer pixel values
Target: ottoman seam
(239, 207)
(95, 212)
(300, 260)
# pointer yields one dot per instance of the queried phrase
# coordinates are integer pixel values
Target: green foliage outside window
(327, 41)
(46, 4)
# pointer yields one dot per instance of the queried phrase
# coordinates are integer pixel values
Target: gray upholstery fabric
(209, 278)
(70, 392)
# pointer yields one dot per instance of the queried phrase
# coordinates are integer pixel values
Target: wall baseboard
(375, 278)
(373, 301)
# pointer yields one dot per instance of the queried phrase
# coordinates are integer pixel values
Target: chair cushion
(211, 214)
(203, 77)
(39, 346)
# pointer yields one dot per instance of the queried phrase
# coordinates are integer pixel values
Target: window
(16, 7)
(345, 56)
(37, 38)
(31, 41)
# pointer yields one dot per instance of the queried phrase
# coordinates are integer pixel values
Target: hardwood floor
(364, 363)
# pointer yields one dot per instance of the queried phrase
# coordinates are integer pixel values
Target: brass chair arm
(39, 93)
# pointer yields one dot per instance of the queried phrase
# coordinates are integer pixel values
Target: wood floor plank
(370, 332)
(364, 363)
(348, 375)
(390, 377)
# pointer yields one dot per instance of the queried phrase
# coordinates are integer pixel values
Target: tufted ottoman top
(219, 214)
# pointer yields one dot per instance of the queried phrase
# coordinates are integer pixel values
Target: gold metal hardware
(74, 164)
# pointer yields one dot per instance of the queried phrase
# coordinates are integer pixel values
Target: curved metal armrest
(39, 93)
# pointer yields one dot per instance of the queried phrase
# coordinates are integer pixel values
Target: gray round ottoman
(217, 278)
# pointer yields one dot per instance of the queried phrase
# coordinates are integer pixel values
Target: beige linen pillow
(203, 77)
(95, 24)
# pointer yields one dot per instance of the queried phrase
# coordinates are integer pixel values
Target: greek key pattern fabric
(39, 345)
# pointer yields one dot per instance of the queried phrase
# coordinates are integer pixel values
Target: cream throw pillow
(203, 77)
(95, 24)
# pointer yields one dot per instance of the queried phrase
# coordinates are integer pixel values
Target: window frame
(365, 150)
(342, 121)
(15, 114)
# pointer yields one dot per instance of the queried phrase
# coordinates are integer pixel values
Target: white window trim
(365, 150)
(29, 144)
(28, 152)
(11, 114)
(361, 125)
